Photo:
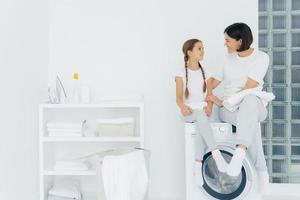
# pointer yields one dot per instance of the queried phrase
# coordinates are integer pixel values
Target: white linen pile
(114, 127)
(233, 103)
(65, 129)
(124, 176)
(72, 165)
(65, 190)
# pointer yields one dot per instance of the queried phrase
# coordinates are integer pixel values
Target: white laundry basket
(116, 127)
(99, 158)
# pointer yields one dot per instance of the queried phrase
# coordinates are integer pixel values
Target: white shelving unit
(55, 148)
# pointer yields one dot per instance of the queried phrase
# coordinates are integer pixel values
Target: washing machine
(218, 185)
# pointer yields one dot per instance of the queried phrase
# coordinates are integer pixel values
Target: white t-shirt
(196, 98)
(235, 71)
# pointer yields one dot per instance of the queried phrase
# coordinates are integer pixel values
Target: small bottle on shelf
(76, 91)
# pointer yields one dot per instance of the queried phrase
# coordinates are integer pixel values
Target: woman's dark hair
(240, 31)
(188, 46)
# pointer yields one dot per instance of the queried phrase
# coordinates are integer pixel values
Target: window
(279, 36)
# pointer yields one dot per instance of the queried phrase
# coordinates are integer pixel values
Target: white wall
(23, 63)
(132, 47)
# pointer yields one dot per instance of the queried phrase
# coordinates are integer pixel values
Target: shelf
(51, 148)
(89, 198)
(69, 173)
(91, 139)
(98, 105)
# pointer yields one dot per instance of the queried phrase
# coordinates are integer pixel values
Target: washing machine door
(219, 185)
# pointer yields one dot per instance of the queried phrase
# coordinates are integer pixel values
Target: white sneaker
(198, 174)
(263, 182)
(236, 163)
(220, 161)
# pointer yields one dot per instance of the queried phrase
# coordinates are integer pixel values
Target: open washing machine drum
(218, 185)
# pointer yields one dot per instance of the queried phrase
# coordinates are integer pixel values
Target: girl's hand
(185, 110)
(208, 110)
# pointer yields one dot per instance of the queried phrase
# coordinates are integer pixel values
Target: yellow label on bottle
(76, 76)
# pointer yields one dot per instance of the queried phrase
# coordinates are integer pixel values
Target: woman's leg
(227, 116)
(257, 156)
(249, 115)
(256, 152)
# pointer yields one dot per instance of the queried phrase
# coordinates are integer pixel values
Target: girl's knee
(202, 117)
(199, 113)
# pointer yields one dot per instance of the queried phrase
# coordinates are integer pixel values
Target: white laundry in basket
(124, 176)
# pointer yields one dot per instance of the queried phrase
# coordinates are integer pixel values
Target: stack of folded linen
(65, 129)
(115, 126)
(73, 165)
(50, 197)
(65, 190)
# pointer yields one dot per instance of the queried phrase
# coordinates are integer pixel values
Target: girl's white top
(196, 99)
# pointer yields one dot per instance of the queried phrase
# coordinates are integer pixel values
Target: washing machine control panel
(221, 130)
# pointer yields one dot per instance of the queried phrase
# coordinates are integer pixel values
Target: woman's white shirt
(235, 71)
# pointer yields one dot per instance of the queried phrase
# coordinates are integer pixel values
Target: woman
(243, 68)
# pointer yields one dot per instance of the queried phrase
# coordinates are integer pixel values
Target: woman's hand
(208, 110)
(185, 110)
(214, 99)
(209, 98)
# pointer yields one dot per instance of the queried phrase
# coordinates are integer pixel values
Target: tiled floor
(283, 192)
(281, 197)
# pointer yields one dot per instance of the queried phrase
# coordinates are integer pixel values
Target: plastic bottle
(85, 95)
(76, 92)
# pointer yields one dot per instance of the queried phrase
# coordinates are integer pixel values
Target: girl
(190, 89)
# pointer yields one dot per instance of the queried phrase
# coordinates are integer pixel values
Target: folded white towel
(66, 125)
(60, 134)
(50, 197)
(232, 103)
(66, 189)
(71, 166)
(125, 176)
(78, 130)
